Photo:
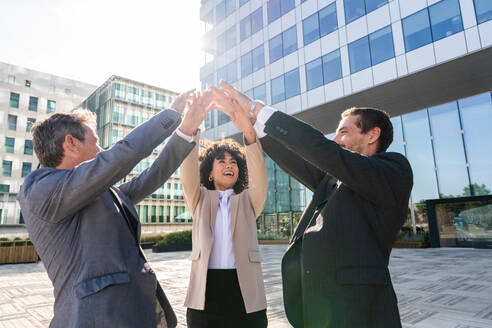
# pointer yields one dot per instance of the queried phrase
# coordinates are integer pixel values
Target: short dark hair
(217, 149)
(49, 134)
(370, 118)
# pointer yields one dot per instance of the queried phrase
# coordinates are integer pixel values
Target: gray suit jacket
(87, 231)
(335, 271)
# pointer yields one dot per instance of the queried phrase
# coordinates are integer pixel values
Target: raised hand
(180, 102)
(243, 100)
(239, 117)
(198, 107)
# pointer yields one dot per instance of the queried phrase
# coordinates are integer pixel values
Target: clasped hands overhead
(230, 101)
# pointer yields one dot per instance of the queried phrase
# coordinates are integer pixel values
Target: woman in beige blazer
(225, 190)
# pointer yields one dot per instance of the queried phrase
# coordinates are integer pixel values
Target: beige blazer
(245, 208)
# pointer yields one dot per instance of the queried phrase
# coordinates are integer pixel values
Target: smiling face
(225, 172)
(350, 136)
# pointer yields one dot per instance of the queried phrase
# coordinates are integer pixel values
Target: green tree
(478, 190)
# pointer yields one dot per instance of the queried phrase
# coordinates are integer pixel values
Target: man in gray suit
(86, 230)
(335, 271)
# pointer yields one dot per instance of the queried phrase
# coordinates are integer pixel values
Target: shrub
(151, 238)
(3, 242)
(270, 236)
(178, 237)
(421, 235)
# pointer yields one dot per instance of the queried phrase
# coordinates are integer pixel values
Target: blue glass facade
(448, 147)
(444, 144)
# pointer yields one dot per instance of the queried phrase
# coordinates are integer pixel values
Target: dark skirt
(224, 306)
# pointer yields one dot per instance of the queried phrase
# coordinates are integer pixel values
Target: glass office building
(120, 105)
(26, 96)
(428, 63)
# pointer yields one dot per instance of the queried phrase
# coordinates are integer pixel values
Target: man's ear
(374, 134)
(70, 144)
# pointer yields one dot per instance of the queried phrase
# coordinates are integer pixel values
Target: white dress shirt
(263, 116)
(222, 256)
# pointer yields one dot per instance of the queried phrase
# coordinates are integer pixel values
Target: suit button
(308, 271)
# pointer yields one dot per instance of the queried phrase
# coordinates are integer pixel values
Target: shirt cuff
(263, 116)
(259, 128)
(184, 136)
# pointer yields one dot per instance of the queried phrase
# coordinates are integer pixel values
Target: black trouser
(224, 305)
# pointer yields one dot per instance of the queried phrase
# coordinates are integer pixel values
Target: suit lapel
(127, 210)
(234, 199)
(214, 207)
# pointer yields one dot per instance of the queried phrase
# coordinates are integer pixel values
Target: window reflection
(419, 154)
(449, 154)
(476, 118)
(397, 144)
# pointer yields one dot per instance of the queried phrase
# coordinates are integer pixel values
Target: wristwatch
(253, 105)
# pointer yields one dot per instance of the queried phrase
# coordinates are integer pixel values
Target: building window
(147, 98)
(320, 24)
(332, 67)
(328, 19)
(228, 73)
(256, 20)
(358, 8)
(12, 122)
(371, 50)
(445, 18)
(119, 91)
(310, 28)
(252, 61)
(9, 145)
(245, 28)
(251, 24)
(27, 83)
(258, 58)
(381, 44)
(14, 100)
(29, 123)
(242, 2)
(28, 147)
(6, 168)
(283, 44)
(277, 8)
(220, 12)
(33, 104)
(51, 106)
(133, 94)
(4, 188)
(483, 10)
(230, 6)
(359, 55)
(26, 169)
(285, 86)
(273, 10)
(246, 64)
(314, 74)
(230, 38)
(118, 114)
(432, 24)
(259, 92)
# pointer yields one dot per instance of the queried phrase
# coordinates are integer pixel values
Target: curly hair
(216, 150)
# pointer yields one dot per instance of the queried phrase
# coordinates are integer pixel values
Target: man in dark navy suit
(335, 271)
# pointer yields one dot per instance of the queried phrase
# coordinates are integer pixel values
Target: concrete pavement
(436, 288)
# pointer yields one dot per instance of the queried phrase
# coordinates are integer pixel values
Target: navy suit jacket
(335, 271)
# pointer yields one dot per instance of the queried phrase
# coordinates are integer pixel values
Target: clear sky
(151, 41)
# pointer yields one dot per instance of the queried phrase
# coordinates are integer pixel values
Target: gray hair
(49, 134)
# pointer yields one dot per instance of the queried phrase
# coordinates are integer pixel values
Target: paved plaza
(437, 288)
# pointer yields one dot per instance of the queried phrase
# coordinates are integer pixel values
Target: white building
(27, 96)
